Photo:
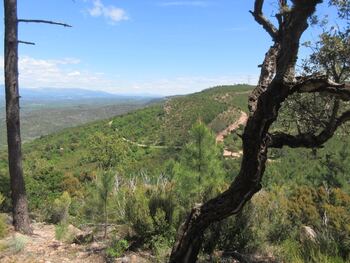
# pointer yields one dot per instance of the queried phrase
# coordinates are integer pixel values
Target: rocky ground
(43, 247)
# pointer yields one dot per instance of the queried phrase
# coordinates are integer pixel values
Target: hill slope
(48, 110)
(66, 153)
(148, 154)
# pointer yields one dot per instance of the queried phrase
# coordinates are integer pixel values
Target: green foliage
(43, 182)
(290, 251)
(199, 173)
(61, 231)
(152, 214)
(157, 183)
(117, 248)
(138, 214)
(60, 208)
(343, 8)
(65, 232)
(3, 226)
(105, 185)
(161, 248)
(18, 242)
(98, 206)
(5, 205)
(106, 151)
(40, 118)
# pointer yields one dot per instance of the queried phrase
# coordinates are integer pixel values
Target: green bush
(60, 208)
(3, 226)
(117, 248)
(161, 248)
(290, 252)
(18, 243)
(61, 231)
(65, 232)
(152, 214)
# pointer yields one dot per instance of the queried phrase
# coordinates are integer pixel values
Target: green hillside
(164, 159)
(162, 124)
(39, 118)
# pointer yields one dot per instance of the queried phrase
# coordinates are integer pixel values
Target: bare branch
(322, 84)
(25, 42)
(43, 21)
(262, 20)
(307, 140)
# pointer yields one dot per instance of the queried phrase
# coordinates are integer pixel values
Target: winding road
(242, 120)
(224, 133)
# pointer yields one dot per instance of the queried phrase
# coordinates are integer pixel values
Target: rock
(84, 238)
(122, 260)
(96, 247)
(74, 231)
(308, 234)
(133, 259)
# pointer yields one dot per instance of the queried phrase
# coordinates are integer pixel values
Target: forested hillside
(44, 111)
(141, 172)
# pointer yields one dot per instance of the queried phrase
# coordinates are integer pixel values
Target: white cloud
(70, 73)
(112, 13)
(62, 73)
(190, 84)
(185, 3)
(74, 73)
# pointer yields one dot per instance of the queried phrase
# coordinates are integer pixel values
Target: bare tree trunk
(273, 88)
(21, 219)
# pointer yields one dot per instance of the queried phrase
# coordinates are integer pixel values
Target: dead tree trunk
(21, 219)
(277, 82)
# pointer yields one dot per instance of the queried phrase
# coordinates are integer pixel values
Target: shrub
(61, 231)
(60, 208)
(64, 232)
(3, 226)
(138, 214)
(18, 243)
(117, 248)
(161, 248)
(290, 252)
(152, 214)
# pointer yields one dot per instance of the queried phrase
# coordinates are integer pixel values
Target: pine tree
(199, 172)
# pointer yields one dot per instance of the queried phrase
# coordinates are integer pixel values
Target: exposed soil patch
(231, 128)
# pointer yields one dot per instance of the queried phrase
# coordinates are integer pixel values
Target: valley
(45, 111)
(154, 154)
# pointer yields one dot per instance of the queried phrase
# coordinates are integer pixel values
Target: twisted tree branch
(322, 84)
(307, 140)
(262, 20)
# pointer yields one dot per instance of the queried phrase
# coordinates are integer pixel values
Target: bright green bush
(117, 248)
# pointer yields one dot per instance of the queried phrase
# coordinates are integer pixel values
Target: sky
(162, 47)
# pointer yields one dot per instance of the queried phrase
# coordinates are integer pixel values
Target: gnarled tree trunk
(275, 85)
(21, 219)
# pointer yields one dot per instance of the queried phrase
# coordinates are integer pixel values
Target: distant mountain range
(55, 94)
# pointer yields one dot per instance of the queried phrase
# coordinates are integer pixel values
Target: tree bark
(21, 219)
(273, 88)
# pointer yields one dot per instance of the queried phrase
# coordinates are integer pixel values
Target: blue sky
(142, 46)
